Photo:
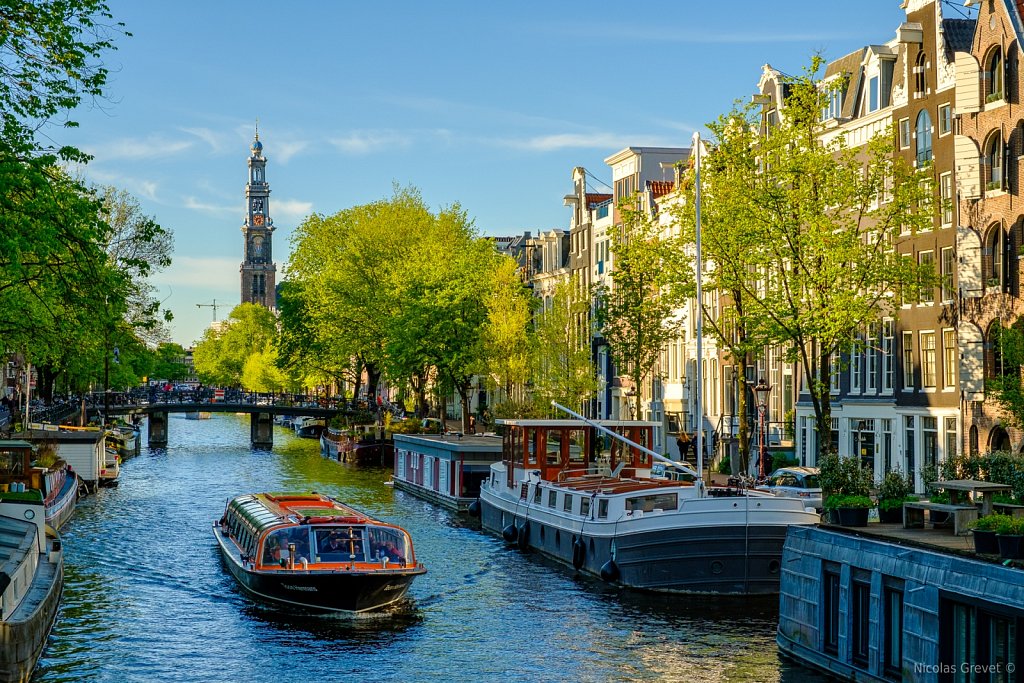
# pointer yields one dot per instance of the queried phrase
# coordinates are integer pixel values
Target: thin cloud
(559, 141)
(682, 35)
(213, 273)
(283, 151)
(197, 205)
(134, 148)
(214, 140)
(366, 141)
(289, 210)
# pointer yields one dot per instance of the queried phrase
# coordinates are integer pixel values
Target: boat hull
(320, 591)
(24, 635)
(712, 552)
(62, 507)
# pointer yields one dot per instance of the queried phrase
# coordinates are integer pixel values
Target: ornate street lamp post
(761, 391)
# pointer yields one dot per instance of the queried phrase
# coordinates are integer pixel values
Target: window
(833, 108)
(886, 67)
(994, 76)
(888, 333)
(946, 197)
(855, 351)
(996, 253)
(926, 259)
(920, 75)
(945, 119)
(948, 266)
(552, 495)
(924, 138)
(835, 373)
(928, 360)
(949, 358)
(873, 94)
(929, 441)
(830, 603)
(567, 503)
(904, 133)
(584, 506)
(871, 353)
(994, 160)
(860, 627)
(624, 188)
(602, 508)
(951, 437)
(908, 361)
(892, 632)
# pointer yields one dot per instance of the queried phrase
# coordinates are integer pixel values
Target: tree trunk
(743, 433)
(823, 404)
(373, 373)
(47, 378)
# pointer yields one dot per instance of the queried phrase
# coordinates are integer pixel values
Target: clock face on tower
(257, 219)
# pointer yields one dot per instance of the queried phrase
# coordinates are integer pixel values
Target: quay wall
(868, 609)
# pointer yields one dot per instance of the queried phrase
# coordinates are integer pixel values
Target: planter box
(851, 516)
(985, 542)
(1011, 547)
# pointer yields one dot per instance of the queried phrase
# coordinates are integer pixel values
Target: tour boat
(593, 496)
(55, 484)
(32, 573)
(310, 551)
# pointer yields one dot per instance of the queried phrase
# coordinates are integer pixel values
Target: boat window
(340, 544)
(658, 501)
(551, 498)
(602, 508)
(577, 446)
(536, 494)
(584, 506)
(567, 503)
(277, 542)
(554, 447)
(389, 543)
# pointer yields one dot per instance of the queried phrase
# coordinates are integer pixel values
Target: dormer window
(994, 76)
(834, 104)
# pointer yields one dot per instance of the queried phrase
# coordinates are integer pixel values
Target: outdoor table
(987, 489)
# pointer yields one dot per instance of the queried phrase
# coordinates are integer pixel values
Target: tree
(816, 221)
(636, 315)
(168, 362)
(506, 333)
(563, 369)
(221, 357)
(1004, 387)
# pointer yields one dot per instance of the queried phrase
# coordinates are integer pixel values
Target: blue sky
(483, 103)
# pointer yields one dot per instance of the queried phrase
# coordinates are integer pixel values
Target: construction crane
(214, 306)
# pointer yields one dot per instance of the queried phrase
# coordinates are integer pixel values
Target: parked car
(796, 482)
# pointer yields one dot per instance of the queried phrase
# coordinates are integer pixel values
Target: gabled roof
(958, 34)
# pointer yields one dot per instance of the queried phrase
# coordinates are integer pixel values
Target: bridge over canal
(261, 412)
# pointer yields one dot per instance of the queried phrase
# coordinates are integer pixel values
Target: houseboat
(446, 469)
(360, 445)
(124, 439)
(593, 495)
(311, 552)
(309, 427)
(24, 469)
(886, 603)
(84, 449)
(32, 569)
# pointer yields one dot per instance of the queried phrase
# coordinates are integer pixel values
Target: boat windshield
(340, 544)
(275, 547)
(389, 543)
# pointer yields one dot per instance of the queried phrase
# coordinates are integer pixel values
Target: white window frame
(950, 359)
(888, 348)
(907, 351)
(945, 115)
(929, 367)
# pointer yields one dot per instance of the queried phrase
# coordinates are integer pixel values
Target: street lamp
(761, 391)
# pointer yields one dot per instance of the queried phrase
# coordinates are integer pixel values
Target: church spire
(258, 271)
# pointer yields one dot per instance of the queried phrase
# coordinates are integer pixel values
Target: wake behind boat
(605, 506)
(308, 550)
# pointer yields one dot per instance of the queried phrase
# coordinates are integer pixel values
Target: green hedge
(999, 466)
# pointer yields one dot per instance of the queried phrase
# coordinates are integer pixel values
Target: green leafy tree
(1005, 387)
(507, 344)
(563, 369)
(636, 315)
(169, 362)
(220, 358)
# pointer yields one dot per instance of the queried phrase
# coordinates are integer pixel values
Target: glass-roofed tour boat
(310, 551)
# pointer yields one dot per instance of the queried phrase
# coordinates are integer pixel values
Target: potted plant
(1010, 537)
(984, 530)
(847, 485)
(893, 492)
(849, 510)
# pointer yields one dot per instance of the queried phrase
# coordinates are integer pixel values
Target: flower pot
(1011, 547)
(852, 516)
(985, 542)
(891, 516)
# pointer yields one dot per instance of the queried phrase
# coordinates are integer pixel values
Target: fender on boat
(523, 536)
(474, 508)
(509, 533)
(579, 552)
(610, 571)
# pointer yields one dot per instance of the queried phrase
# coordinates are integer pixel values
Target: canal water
(146, 597)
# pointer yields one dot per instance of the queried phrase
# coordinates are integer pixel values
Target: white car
(797, 482)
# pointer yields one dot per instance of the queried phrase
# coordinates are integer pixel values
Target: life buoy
(509, 533)
(579, 552)
(523, 536)
(610, 571)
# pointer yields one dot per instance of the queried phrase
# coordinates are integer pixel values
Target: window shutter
(968, 249)
(968, 83)
(968, 167)
(972, 361)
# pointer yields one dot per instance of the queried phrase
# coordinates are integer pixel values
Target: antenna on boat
(615, 435)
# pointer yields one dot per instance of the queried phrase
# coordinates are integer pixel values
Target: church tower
(258, 269)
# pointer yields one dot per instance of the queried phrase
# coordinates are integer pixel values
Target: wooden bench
(1009, 509)
(963, 515)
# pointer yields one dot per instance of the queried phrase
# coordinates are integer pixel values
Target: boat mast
(615, 435)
